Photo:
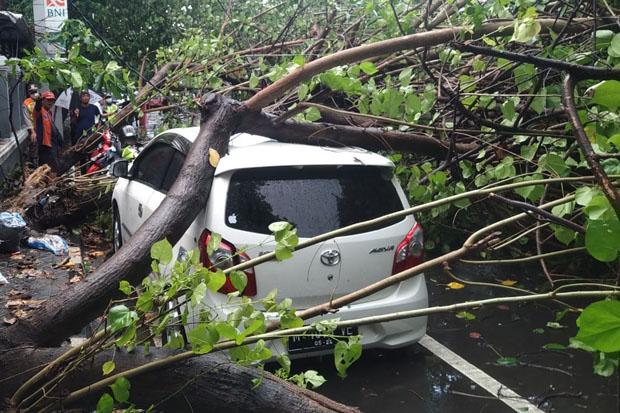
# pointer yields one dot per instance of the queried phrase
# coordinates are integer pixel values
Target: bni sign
(56, 9)
(49, 16)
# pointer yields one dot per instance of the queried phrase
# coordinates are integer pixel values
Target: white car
(317, 189)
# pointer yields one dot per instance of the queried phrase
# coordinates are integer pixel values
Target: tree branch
(549, 216)
(356, 54)
(578, 71)
(585, 145)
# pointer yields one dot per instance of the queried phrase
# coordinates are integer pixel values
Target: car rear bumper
(409, 295)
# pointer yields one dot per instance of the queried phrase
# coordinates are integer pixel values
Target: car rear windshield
(314, 199)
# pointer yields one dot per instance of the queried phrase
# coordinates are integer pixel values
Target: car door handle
(140, 210)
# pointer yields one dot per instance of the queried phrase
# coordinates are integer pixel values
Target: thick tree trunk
(325, 134)
(208, 383)
(65, 314)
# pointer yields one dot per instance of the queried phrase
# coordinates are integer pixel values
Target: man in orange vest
(27, 114)
(48, 138)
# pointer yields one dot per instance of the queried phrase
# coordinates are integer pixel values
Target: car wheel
(117, 236)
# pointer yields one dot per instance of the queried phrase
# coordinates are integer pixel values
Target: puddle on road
(403, 380)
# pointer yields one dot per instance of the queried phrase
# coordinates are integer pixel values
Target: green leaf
(313, 378)
(202, 338)
(76, 80)
(533, 192)
(345, 354)
(465, 315)
(216, 280)
(125, 287)
(554, 346)
(120, 317)
(584, 195)
(603, 239)
(508, 109)
(162, 251)
(614, 46)
(554, 164)
(538, 331)
(529, 151)
(105, 404)
(599, 208)
(563, 234)
(611, 166)
(607, 93)
(226, 330)
(253, 80)
(198, 294)
(599, 326)
(108, 367)
(128, 336)
(368, 67)
(145, 301)
(283, 252)
(312, 114)
(563, 209)
(525, 30)
(290, 320)
(603, 39)
(120, 389)
(214, 243)
(252, 326)
(239, 280)
(405, 77)
(508, 361)
(605, 364)
(279, 226)
(302, 92)
(299, 60)
(413, 104)
(615, 140)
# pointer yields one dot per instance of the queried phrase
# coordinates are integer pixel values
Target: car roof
(255, 151)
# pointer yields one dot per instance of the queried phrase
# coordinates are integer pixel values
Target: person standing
(49, 139)
(27, 114)
(83, 117)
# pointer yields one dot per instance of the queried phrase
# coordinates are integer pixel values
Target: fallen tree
(63, 315)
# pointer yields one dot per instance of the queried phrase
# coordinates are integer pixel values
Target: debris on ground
(20, 304)
(12, 226)
(53, 243)
(3, 280)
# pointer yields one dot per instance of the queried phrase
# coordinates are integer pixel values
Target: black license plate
(309, 342)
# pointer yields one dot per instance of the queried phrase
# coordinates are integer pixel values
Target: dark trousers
(49, 156)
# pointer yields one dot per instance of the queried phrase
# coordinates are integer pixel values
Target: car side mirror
(120, 168)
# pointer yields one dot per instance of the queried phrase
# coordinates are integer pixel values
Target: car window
(314, 199)
(151, 165)
(173, 170)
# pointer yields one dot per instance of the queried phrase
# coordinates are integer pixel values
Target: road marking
(482, 379)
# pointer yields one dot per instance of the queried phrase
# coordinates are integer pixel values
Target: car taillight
(226, 256)
(410, 251)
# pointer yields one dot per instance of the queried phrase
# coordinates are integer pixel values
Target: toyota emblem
(330, 257)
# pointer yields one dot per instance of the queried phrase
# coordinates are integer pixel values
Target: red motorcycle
(106, 152)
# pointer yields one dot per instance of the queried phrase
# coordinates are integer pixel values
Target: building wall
(7, 81)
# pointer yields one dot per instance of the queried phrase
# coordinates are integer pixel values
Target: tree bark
(207, 383)
(316, 133)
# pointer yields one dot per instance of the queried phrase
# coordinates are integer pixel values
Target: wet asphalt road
(414, 379)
